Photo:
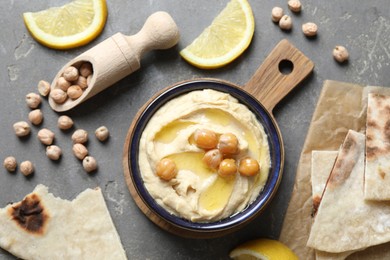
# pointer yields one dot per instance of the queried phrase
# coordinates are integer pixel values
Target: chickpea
(285, 23)
(43, 88)
(80, 136)
(166, 169)
(340, 54)
(10, 163)
(70, 74)
(102, 133)
(80, 151)
(86, 69)
(33, 100)
(309, 29)
(213, 158)
(89, 164)
(27, 168)
(53, 152)
(248, 167)
(82, 82)
(46, 136)
(228, 144)
(74, 92)
(205, 139)
(35, 117)
(227, 167)
(277, 14)
(21, 128)
(64, 122)
(294, 5)
(63, 84)
(58, 95)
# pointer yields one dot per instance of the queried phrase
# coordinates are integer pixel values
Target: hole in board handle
(286, 67)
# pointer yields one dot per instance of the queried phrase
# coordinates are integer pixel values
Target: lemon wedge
(68, 26)
(225, 39)
(263, 249)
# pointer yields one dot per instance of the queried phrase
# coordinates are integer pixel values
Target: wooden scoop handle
(158, 32)
(269, 84)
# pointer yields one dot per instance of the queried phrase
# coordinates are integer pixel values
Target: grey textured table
(362, 26)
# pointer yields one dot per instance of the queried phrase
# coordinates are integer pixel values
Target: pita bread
(377, 175)
(321, 165)
(42, 226)
(345, 221)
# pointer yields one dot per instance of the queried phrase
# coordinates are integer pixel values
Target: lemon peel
(71, 25)
(228, 36)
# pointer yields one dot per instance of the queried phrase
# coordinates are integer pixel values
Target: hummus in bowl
(210, 206)
(197, 192)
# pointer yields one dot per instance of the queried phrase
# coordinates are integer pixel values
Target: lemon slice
(68, 26)
(225, 39)
(263, 249)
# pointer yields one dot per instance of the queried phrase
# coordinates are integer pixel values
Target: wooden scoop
(119, 56)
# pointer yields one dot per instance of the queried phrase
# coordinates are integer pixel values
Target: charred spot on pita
(30, 214)
(386, 131)
(382, 174)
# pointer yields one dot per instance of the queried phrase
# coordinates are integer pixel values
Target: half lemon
(68, 26)
(225, 39)
(263, 249)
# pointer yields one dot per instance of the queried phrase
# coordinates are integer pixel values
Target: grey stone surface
(362, 26)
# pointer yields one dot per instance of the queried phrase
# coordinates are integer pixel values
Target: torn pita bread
(42, 226)
(345, 221)
(321, 165)
(377, 175)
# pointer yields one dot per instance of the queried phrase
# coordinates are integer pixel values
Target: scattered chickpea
(277, 14)
(86, 69)
(166, 169)
(58, 95)
(64, 122)
(35, 117)
(205, 139)
(45, 136)
(309, 29)
(63, 84)
(53, 152)
(340, 54)
(74, 92)
(82, 82)
(21, 128)
(248, 167)
(43, 88)
(285, 22)
(70, 73)
(89, 164)
(294, 5)
(213, 158)
(27, 168)
(102, 133)
(228, 144)
(227, 167)
(33, 100)
(80, 136)
(10, 163)
(80, 151)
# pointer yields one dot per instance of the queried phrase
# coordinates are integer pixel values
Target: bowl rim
(264, 116)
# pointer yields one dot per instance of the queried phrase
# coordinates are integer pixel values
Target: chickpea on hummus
(193, 187)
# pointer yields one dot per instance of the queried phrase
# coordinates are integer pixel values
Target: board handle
(271, 83)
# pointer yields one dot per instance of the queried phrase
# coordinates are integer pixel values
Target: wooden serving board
(268, 85)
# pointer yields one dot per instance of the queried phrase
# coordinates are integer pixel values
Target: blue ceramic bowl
(237, 220)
